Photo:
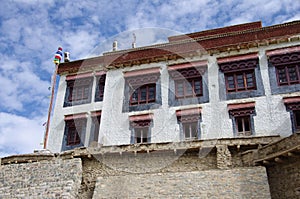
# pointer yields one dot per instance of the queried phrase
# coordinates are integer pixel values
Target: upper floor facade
(236, 81)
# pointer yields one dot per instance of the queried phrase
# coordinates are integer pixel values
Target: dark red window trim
(79, 89)
(243, 126)
(188, 82)
(100, 87)
(143, 95)
(73, 136)
(240, 81)
(288, 74)
(190, 87)
(296, 114)
(141, 130)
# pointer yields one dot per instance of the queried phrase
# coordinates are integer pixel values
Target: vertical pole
(50, 105)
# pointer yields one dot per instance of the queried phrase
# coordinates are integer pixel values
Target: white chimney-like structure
(66, 57)
(115, 45)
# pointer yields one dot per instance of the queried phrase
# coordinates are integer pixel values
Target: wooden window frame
(188, 83)
(287, 74)
(73, 136)
(187, 77)
(242, 120)
(139, 128)
(100, 87)
(191, 135)
(296, 114)
(241, 113)
(138, 91)
(235, 76)
(96, 122)
(79, 90)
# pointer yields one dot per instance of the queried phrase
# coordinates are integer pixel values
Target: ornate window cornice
(239, 110)
(289, 58)
(238, 65)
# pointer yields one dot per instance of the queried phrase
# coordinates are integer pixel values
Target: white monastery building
(236, 81)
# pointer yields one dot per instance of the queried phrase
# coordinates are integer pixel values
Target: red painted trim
(135, 118)
(217, 31)
(99, 73)
(141, 72)
(95, 113)
(78, 76)
(190, 111)
(187, 65)
(283, 51)
(288, 100)
(240, 105)
(238, 58)
(75, 116)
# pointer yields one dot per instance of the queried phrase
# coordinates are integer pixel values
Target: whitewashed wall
(271, 116)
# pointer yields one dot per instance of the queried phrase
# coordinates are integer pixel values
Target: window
(240, 81)
(242, 118)
(100, 88)
(78, 91)
(74, 131)
(297, 119)
(288, 74)
(243, 126)
(142, 90)
(141, 131)
(143, 95)
(141, 135)
(188, 82)
(293, 106)
(96, 116)
(284, 70)
(191, 87)
(239, 74)
(190, 130)
(140, 126)
(189, 120)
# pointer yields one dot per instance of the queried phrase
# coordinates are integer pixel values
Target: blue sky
(31, 31)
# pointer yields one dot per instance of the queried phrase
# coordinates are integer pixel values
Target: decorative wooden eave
(189, 47)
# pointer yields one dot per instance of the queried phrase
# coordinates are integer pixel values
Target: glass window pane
(230, 81)
(143, 93)
(240, 81)
(151, 94)
(186, 130)
(134, 97)
(197, 87)
(292, 73)
(188, 89)
(282, 75)
(247, 123)
(239, 123)
(179, 89)
(194, 129)
(250, 82)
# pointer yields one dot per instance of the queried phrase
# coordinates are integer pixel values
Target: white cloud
(19, 134)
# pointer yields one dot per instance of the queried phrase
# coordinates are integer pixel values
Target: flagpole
(50, 105)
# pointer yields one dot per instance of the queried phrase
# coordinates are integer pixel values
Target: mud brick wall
(248, 183)
(46, 179)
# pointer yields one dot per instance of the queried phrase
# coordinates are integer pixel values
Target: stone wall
(55, 178)
(249, 182)
(284, 179)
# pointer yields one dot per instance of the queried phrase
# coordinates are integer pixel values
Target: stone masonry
(202, 169)
(56, 178)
